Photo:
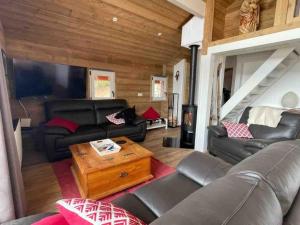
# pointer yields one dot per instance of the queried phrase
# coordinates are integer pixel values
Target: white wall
(248, 64)
(180, 85)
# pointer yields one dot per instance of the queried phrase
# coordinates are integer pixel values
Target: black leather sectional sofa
(90, 115)
(261, 190)
(234, 150)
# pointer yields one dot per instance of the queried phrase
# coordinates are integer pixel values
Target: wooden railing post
(209, 23)
(281, 12)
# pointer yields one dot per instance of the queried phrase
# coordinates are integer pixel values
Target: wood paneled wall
(82, 33)
(227, 17)
(131, 78)
(232, 18)
(219, 19)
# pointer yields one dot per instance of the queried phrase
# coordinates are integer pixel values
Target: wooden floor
(42, 189)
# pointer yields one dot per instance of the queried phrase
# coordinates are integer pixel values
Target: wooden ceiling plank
(100, 34)
(142, 12)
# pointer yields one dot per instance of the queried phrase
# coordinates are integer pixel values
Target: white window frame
(112, 78)
(160, 78)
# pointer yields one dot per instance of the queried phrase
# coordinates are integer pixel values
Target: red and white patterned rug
(62, 170)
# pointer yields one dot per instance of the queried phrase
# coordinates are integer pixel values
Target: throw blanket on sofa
(266, 116)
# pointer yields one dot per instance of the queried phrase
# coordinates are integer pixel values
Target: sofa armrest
(218, 131)
(203, 168)
(56, 130)
(139, 120)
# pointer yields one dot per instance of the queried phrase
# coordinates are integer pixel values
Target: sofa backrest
(231, 200)
(80, 111)
(263, 189)
(84, 112)
(288, 127)
(279, 166)
(104, 108)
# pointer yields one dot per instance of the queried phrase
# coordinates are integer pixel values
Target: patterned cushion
(86, 212)
(237, 130)
(112, 118)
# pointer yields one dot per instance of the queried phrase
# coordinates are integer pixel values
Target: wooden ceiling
(85, 28)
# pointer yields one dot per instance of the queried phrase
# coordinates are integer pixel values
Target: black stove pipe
(193, 73)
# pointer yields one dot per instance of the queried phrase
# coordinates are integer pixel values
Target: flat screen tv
(34, 78)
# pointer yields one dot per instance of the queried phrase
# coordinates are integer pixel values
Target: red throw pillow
(151, 114)
(86, 212)
(57, 219)
(60, 122)
(237, 130)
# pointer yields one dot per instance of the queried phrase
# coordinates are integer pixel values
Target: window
(102, 84)
(159, 88)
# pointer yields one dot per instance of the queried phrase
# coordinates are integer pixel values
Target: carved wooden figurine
(250, 12)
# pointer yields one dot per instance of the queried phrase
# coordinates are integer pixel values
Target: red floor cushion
(79, 211)
(57, 219)
(151, 114)
(60, 122)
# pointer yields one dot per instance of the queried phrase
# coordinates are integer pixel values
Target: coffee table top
(88, 160)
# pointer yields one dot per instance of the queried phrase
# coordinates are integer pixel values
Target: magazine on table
(105, 147)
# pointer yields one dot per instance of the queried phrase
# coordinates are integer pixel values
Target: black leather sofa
(261, 190)
(233, 150)
(90, 115)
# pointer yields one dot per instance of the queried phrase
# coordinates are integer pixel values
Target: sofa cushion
(231, 200)
(56, 131)
(122, 130)
(233, 147)
(203, 168)
(261, 143)
(293, 216)
(82, 135)
(279, 165)
(163, 194)
(29, 220)
(135, 206)
(57, 219)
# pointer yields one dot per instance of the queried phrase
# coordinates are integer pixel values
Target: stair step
(283, 65)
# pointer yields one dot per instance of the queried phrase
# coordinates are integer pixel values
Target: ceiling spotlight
(159, 34)
(115, 19)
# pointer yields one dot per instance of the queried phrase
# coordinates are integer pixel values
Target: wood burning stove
(189, 112)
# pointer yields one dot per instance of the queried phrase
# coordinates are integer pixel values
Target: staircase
(265, 76)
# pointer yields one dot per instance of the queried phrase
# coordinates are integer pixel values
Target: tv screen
(45, 79)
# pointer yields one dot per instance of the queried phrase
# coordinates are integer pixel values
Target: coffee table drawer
(111, 180)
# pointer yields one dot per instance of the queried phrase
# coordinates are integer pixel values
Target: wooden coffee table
(99, 176)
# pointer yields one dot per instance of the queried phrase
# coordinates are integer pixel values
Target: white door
(102, 85)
